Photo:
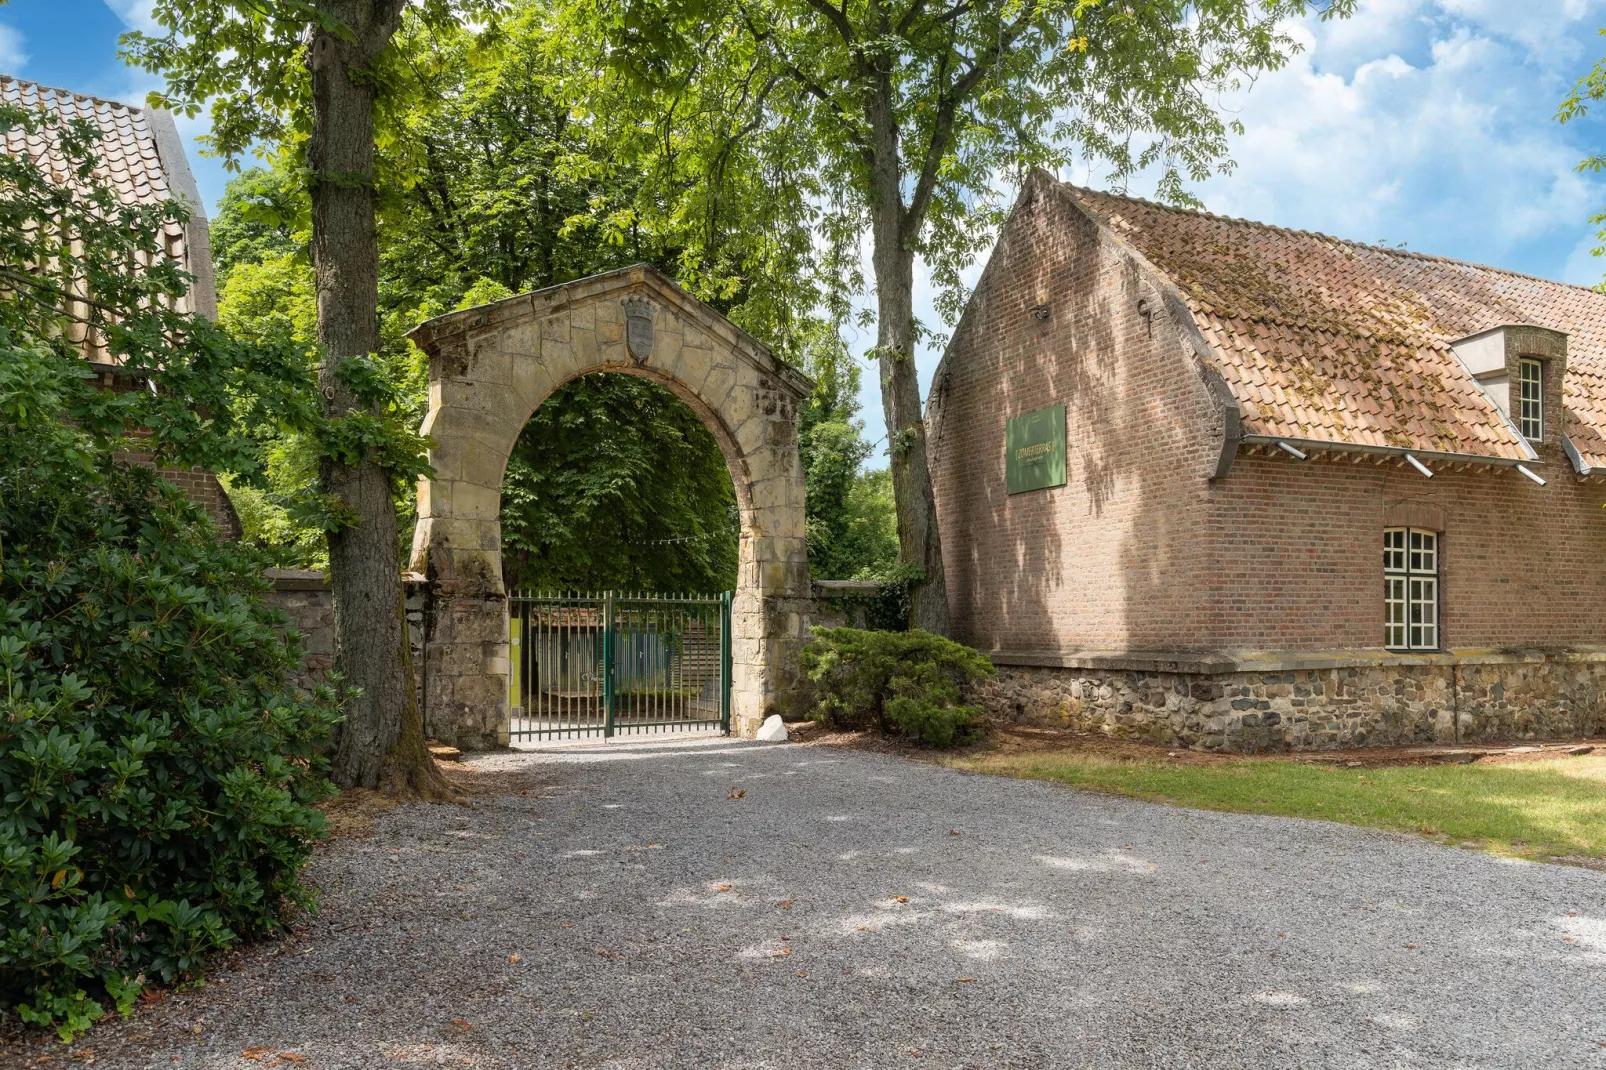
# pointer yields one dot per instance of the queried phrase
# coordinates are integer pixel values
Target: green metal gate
(600, 665)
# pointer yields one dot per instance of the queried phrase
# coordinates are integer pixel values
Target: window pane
(1531, 399)
(1394, 550)
(1394, 610)
(1424, 613)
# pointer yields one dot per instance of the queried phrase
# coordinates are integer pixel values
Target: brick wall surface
(1300, 555)
(1114, 559)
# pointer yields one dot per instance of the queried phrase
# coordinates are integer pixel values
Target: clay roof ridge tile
(1398, 254)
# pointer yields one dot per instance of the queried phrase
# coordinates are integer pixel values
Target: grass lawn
(1540, 810)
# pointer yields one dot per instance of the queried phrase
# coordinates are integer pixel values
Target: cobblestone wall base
(1309, 709)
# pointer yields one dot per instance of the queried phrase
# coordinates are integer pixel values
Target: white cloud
(1455, 152)
(12, 56)
(135, 14)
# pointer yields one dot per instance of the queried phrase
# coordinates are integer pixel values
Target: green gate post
(725, 663)
(607, 663)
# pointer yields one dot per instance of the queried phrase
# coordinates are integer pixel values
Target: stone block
(717, 389)
(554, 328)
(584, 348)
(665, 343)
(474, 502)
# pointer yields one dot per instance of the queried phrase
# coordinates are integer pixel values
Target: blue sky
(1428, 122)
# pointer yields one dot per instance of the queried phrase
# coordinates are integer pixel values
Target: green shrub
(910, 682)
(157, 772)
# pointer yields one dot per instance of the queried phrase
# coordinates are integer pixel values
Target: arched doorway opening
(491, 368)
(620, 540)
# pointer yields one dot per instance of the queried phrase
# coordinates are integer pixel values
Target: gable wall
(1112, 561)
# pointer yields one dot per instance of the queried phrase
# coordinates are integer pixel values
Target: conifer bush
(157, 769)
(894, 681)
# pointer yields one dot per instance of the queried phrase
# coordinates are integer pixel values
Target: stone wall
(305, 596)
(1370, 702)
(843, 603)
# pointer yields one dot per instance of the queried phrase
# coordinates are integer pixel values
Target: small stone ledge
(1254, 661)
(847, 588)
(297, 579)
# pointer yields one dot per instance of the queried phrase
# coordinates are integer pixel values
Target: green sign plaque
(1034, 450)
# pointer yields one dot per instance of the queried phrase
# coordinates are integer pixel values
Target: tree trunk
(382, 742)
(893, 261)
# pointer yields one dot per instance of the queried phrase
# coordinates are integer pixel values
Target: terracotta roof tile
(129, 161)
(1356, 338)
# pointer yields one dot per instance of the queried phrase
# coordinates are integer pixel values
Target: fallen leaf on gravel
(513, 958)
(786, 904)
(1410, 947)
(953, 832)
(964, 980)
(722, 888)
(900, 899)
(735, 792)
(800, 973)
(254, 1054)
(292, 1057)
(461, 1024)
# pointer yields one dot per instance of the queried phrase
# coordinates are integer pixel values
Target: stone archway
(490, 368)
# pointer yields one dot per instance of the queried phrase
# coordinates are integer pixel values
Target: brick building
(1313, 493)
(142, 158)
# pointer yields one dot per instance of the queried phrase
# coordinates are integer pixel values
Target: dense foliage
(616, 484)
(156, 765)
(909, 682)
(156, 768)
(496, 183)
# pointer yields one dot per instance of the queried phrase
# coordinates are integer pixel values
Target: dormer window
(1520, 367)
(1531, 400)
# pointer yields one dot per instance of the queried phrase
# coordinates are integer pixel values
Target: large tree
(309, 73)
(500, 185)
(901, 119)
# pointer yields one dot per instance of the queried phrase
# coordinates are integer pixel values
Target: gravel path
(856, 910)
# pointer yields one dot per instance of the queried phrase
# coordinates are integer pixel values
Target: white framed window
(1531, 399)
(1410, 589)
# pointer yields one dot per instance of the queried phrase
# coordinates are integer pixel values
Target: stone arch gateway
(491, 367)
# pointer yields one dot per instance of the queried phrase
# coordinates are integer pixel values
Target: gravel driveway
(856, 910)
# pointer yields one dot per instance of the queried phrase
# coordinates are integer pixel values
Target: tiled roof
(130, 161)
(1333, 341)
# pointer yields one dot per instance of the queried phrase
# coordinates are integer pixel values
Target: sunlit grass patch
(1540, 809)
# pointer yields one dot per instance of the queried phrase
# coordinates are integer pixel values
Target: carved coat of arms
(638, 329)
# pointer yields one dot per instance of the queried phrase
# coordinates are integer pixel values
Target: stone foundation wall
(305, 596)
(1452, 700)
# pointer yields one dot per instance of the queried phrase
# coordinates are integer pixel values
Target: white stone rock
(772, 730)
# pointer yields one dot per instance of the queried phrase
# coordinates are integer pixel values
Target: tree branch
(948, 104)
(837, 17)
